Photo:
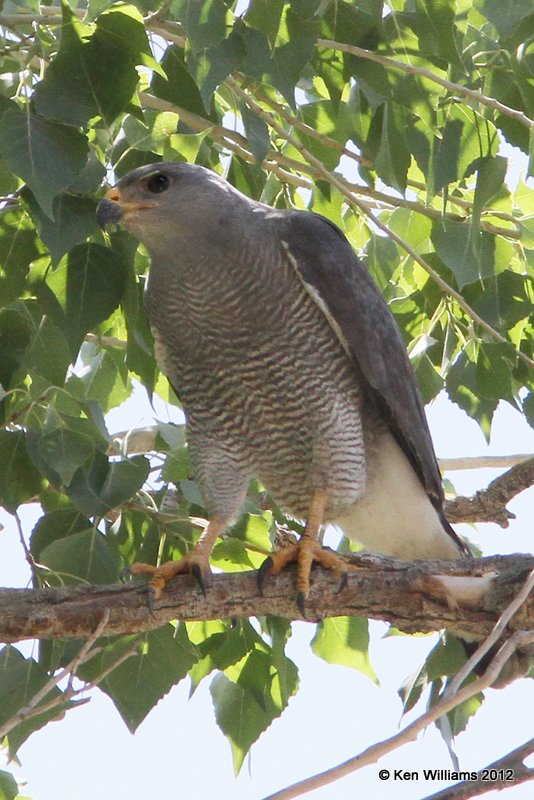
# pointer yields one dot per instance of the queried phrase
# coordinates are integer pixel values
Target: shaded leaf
(73, 221)
(93, 74)
(83, 556)
(55, 525)
(65, 451)
(101, 486)
(436, 30)
(206, 23)
(470, 254)
(19, 479)
(8, 786)
(46, 155)
(178, 85)
(257, 133)
(20, 680)
(88, 284)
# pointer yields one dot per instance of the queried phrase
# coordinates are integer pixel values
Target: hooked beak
(113, 208)
(109, 210)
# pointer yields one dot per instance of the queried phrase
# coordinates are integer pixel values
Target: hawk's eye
(158, 183)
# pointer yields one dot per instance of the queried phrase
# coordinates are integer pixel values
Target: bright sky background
(179, 752)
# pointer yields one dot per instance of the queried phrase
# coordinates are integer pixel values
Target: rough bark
(421, 596)
(489, 505)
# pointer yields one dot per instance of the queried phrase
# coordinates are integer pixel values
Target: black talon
(262, 572)
(197, 572)
(125, 573)
(344, 582)
(301, 602)
(151, 597)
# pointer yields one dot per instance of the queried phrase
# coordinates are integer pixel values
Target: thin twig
(482, 462)
(390, 200)
(512, 761)
(455, 684)
(340, 184)
(457, 88)
(34, 706)
(372, 754)
(106, 341)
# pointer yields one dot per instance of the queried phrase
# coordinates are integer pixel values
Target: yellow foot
(195, 563)
(305, 552)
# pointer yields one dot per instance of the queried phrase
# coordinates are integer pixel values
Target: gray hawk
(290, 368)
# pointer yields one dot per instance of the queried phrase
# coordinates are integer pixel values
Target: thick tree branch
(512, 761)
(465, 596)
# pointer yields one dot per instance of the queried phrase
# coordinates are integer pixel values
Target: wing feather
(339, 283)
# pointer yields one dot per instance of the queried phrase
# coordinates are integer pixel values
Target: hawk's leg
(195, 562)
(305, 552)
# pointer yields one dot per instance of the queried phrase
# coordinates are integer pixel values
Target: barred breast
(267, 388)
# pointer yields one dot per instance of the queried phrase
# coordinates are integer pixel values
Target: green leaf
(14, 340)
(345, 641)
(206, 23)
(8, 786)
(104, 379)
(257, 133)
(239, 714)
(88, 283)
(220, 650)
(280, 630)
(528, 408)
(93, 74)
(73, 221)
(19, 479)
(491, 173)
(177, 86)
(47, 355)
(46, 155)
(20, 680)
(530, 169)
(164, 657)
(445, 658)
(351, 23)
(428, 378)
(505, 300)
(494, 370)
(506, 15)
(265, 16)
(291, 57)
(463, 140)
(470, 254)
(101, 486)
(392, 158)
(65, 451)
(462, 389)
(436, 31)
(211, 66)
(82, 557)
(54, 525)
(18, 248)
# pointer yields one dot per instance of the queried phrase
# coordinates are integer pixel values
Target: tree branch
(464, 596)
(455, 88)
(341, 185)
(409, 734)
(512, 761)
(489, 505)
